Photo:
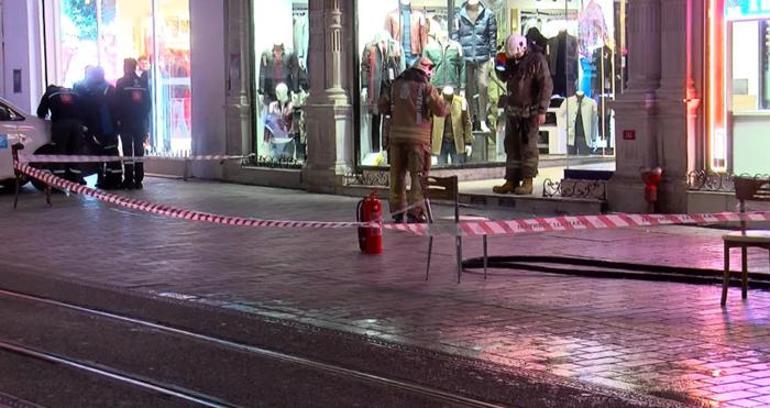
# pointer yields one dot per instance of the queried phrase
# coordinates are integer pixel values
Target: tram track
(422, 392)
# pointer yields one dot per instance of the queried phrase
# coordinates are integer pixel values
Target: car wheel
(52, 167)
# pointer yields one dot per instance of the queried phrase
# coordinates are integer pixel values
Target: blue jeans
(448, 150)
(589, 73)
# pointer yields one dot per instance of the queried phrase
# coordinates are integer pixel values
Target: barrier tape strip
(575, 223)
(173, 212)
(60, 158)
(474, 228)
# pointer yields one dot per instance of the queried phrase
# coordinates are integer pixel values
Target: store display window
(739, 86)
(80, 33)
(281, 41)
(583, 42)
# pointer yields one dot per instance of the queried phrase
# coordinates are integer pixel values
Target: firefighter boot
(525, 188)
(507, 188)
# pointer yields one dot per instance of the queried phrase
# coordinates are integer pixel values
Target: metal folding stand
(19, 177)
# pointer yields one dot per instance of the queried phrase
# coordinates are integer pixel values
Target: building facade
(676, 84)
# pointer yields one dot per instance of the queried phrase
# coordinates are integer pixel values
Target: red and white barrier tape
(474, 228)
(169, 211)
(61, 158)
(577, 223)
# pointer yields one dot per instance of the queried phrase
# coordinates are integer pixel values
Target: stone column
(636, 109)
(678, 104)
(329, 113)
(238, 45)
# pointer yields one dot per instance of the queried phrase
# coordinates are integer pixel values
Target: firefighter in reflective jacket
(411, 102)
(98, 100)
(132, 106)
(529, 87)
(65, 108)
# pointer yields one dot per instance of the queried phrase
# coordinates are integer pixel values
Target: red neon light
(716, 69)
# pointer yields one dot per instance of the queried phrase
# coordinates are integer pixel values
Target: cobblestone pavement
(665, 339)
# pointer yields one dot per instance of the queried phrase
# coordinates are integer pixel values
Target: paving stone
(637, 335)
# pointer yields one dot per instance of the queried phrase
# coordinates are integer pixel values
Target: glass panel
(105, 32)
(748, 84)
(172, 91)
(75, 44)
(583, 42)
(281, 40)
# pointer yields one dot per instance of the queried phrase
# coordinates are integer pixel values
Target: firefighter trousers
(414, 158)
(521, 151)
(133, 147)
(67, 135)
(112, 171)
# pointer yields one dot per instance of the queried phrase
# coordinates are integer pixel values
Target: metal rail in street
(414, 388)
(170, 391)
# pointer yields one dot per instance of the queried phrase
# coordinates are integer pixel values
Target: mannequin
(452, 136)
(579, 115)
(563, 63)
(447, 55)
(592, 34)
(476, 31)
(279, 124)
(409, 28)
(381, 62)
(278, 65)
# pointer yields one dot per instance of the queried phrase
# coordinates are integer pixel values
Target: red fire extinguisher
(370, 238)
(651, 179)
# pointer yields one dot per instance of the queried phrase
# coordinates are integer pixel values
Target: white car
(17, 126)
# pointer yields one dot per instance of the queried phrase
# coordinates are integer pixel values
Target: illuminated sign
(747, 9)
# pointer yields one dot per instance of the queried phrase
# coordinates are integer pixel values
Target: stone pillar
(238, 102)
(678, 104)
(329, 113)
(637, 139)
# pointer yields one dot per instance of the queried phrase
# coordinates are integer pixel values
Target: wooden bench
(746, 189)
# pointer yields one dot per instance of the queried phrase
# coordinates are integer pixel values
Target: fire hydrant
(651, 179)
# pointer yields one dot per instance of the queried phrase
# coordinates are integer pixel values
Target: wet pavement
(670, 340)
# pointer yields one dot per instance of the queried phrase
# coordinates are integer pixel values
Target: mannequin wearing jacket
(579, 115)
(447, 55)
(563, 63)
(476, 31)
(409, 28)
(452, 136)
(277, 65)
(593, 34)
(381, 62)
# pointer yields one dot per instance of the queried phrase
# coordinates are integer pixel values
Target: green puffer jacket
(450, 67)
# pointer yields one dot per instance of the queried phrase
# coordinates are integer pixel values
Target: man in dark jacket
(66, 126)
(529, 88)
(132, 108)
(99, 112)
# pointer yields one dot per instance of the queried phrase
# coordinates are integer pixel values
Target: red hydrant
(370, 237)
(651, 179)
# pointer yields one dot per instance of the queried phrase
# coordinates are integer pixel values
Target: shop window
(583, 42)
(105, 32)
(281, 40)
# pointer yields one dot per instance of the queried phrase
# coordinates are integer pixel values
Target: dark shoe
(526, 187)
(128, 185)
(138, 186)
(416, 219)
(507, 188)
